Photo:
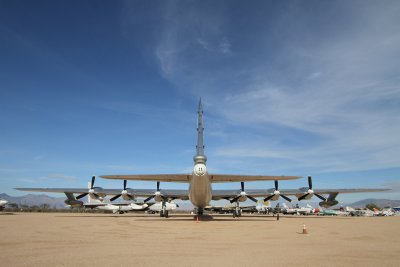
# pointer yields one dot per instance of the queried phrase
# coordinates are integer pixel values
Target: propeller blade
(158, 185)
(92, 184)
(81, 196)
(147, 199)
(276, 185)
(320, 197)
(242, 186)
(303, 197)
(286, 198)
(309, 182)
(269, 197)
(125, 182)
(114, 198)
(96, 195)
(235, 199)
(252, 198)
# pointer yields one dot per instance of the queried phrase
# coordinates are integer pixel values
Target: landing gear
(198, 211)
(164, 212)
(237, 212)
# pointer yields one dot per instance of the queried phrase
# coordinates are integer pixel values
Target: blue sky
(288, 87)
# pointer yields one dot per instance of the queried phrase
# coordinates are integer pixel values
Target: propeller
(310, 191)
(123, 193)
(157, 193)
(90, 191)
(277, 193)
(242, 193)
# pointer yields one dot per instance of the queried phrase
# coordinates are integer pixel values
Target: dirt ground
(55, 239)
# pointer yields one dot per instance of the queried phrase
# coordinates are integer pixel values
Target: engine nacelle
(74, 203)
(328, 203)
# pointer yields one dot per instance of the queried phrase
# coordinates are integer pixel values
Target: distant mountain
(32, 200)
(379, 202)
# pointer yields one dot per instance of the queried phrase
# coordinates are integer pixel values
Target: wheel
(161, 213)
(166, 214)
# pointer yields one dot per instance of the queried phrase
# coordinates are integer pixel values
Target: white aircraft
(158, 207)
(101, 204)
(384, 212)
(263, 207)
(200, 181)
(127, 207)
(3, 203)
(308, 210)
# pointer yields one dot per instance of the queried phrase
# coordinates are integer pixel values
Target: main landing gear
(237, 212)
(164, 212)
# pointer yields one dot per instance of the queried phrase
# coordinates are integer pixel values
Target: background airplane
(3, 203)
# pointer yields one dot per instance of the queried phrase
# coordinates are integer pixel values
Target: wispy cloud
(225, 46)
(339, 94)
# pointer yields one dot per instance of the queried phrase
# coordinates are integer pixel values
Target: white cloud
(225, 46)
(203, 43)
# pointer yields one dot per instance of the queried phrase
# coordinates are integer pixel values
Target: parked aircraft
(384, 212)
(308, 210)
(122, 207)
(263, 207)
(3, 203)
(200, 181)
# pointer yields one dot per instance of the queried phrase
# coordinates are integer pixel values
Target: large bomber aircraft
(200, 181)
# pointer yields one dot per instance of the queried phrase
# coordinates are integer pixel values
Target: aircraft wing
(349, 190)
(168, 193)
(215, 178)
(58, 190)
(220, 178)
(184, 178)
(224, 194)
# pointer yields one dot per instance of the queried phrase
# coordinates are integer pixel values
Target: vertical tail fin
(200, 157)
(200, 130)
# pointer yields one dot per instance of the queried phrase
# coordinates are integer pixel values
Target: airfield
(59, 239)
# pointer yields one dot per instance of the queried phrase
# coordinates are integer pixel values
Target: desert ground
(56, 239)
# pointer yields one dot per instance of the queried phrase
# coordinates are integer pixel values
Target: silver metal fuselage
(200, 190)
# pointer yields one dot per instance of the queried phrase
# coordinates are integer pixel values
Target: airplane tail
(200, 156)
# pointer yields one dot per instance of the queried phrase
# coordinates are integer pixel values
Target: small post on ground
(305, 232)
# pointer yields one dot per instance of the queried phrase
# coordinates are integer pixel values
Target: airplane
(3, 203)
(297, 210)
(383, 212)
(200, 181)
(263, 207)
